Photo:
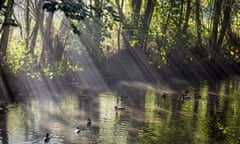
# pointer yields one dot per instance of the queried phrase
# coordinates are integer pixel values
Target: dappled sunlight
(113, 130)
(119, 72)
(89, 77)
(148, 117)
(16, 125)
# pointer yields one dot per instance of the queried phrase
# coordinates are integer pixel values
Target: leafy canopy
(79, 10)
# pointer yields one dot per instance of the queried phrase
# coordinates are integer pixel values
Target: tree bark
(188, 11)
(146, 23)
(225, 22)
(39, 15)
(136, 5)
(27, 21)
(47, 46)
(198, 23)
(6, 27)
(120, 23)
(214, 34)
(59, 40)
(180, 21)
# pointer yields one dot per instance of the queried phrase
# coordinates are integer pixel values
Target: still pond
(148, 117)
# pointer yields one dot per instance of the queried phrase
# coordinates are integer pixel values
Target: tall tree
(215, 26)
(226, 22)
(5, 29)
(119, 7)
(187, 15)
(60, 38)
(198, 23)
(146, 21)
(27, 21)
(47, 46)
(38, 13)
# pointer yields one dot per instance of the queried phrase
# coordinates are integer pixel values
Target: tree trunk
(198, 23)
(47, 46)
(188, 11)
(225, 22)
(6, 82)
(6, 27)
(39, 15)
(214, 34)
(136, 5)
(120, 23)
(146, 23)
(59, 40)
(3, 47)
(27, 21)
(180, 16)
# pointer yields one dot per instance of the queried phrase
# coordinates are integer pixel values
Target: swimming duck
(119, 108)
(77, 130)
(3, 109)
(185, 96)
(197, 96)
(185, 93)
(46, 139)
(89, 122)
(121, 97)
(164, 95)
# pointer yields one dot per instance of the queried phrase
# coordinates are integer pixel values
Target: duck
(164, 95)
(3, 109)
(89, 122)
(77, 130)
(185, 96)
(197, 96)
(119, 108)
(46, 138)
(121, 97)
(185, 93)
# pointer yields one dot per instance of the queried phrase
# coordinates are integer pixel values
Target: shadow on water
(148, 117)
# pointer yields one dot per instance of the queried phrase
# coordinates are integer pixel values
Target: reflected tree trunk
(4, 132)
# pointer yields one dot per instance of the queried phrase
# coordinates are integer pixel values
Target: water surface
(148, 118)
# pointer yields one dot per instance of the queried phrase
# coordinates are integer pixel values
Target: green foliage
(78, 11)
(18, 60)
(58, 69)
(22, 62)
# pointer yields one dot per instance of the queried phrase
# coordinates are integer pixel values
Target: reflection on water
(148, 117)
